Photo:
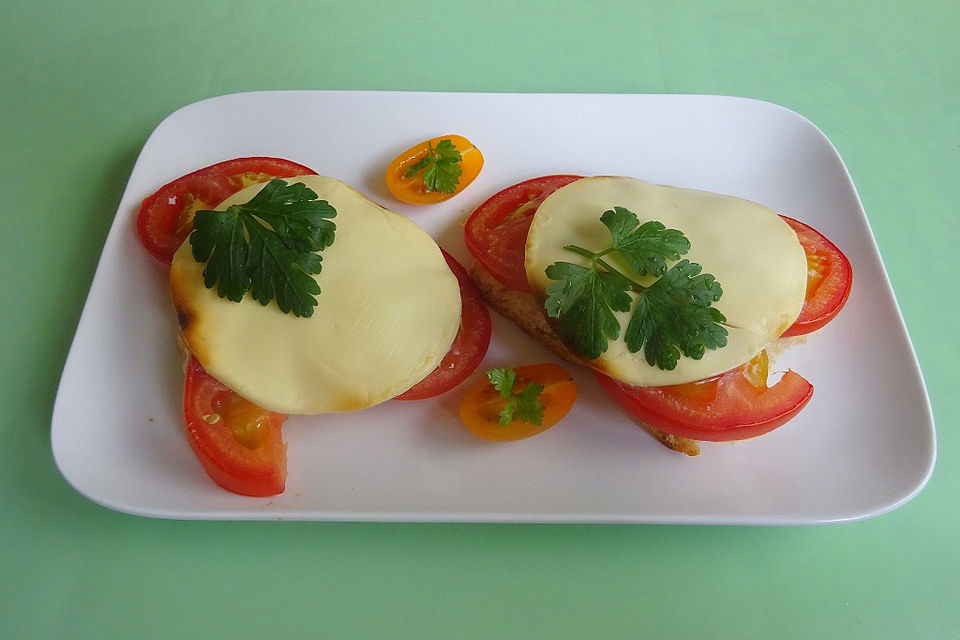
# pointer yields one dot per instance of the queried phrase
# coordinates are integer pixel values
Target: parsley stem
(586, 253)
(595, 258)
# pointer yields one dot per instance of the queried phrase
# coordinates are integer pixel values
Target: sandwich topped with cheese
(295, 294)
(386, 312)
(670, 295)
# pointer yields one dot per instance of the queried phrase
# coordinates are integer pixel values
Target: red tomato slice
(237, 442)
(469, 346)
(166, 217)
(829, 278)
(731, 406)
(496, 233)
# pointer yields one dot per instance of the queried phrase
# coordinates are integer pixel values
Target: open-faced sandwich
(298, 295)
(672, 296)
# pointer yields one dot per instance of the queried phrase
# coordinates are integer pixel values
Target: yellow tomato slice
(412, 190)
(481, 406)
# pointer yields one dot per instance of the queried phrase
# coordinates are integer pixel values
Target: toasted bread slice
(524, 309)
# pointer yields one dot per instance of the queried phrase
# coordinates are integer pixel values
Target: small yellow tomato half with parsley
(434, 170)
(516, 403)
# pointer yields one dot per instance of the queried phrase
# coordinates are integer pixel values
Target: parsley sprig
(525, 405)
(671, 317)
(441, 167)
(268, 246)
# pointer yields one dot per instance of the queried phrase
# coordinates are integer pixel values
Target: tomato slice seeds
(165, 218)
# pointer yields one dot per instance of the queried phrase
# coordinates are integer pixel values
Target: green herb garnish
(441, 167)
(524, 405)
(267, 246)
(672, 316)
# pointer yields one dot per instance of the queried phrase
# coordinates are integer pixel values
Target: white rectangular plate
(864, 445)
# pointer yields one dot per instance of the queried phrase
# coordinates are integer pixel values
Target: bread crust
(527, 313)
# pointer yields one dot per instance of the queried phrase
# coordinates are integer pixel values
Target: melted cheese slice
(754, 255)
(388, 311)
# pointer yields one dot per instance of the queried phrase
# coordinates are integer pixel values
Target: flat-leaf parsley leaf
(584, 300)
(646, 247)
(441, 167)
(268, 246)
(672, 316)
(524, 405)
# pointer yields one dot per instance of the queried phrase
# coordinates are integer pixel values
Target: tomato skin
(469, 346)
(496, 232)
(731, 406)
(411, 190)
(481, 405)
(829, 279)
(164, 218)
(257, 468)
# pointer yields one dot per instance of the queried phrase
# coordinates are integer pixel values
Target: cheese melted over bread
(387, 314)
(750, 250)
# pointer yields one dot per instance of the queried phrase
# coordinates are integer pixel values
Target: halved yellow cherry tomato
(412, 189)
(481, 406)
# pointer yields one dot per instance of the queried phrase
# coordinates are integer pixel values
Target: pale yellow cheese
(754, 255)
(387, 314)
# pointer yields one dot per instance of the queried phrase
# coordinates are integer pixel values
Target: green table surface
(82, 85)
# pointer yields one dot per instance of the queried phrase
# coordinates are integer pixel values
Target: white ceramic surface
(864, 445)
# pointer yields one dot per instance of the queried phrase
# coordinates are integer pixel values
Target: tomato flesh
(237, 442)
(481, 405)
(469, 346)
(496, 232)
(734, 405)
(829, 279)
(165, 218)
(412, 189)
